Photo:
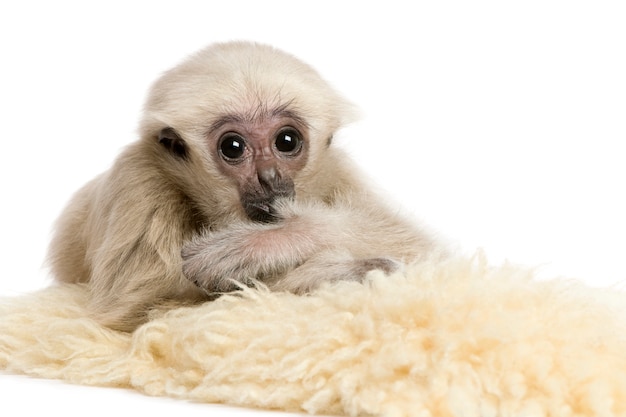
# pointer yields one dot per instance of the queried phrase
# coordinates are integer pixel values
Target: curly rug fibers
(447, 338)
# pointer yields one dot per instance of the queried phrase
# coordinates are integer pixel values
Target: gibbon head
(242, 122)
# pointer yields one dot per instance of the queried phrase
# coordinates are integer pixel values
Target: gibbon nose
(268, 177)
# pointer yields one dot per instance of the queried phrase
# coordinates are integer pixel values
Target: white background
(501, 125)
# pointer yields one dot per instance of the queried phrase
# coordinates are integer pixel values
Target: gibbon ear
(173, 142)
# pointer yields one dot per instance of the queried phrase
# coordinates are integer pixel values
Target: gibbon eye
(232, 146)
(288, 141)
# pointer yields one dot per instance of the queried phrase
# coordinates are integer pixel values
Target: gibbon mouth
(261, 208)
(261, 212)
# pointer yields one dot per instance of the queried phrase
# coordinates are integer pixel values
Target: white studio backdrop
(500, 125)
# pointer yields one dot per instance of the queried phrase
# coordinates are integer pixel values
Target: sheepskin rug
(442, 338)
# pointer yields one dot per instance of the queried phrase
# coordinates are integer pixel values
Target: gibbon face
(262, 156)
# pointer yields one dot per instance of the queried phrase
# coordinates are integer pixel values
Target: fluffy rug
(451, 338)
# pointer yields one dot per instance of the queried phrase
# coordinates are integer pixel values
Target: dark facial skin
(262, 156)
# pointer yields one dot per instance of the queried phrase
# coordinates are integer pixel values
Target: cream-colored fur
(124, 232)
(452, 337)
